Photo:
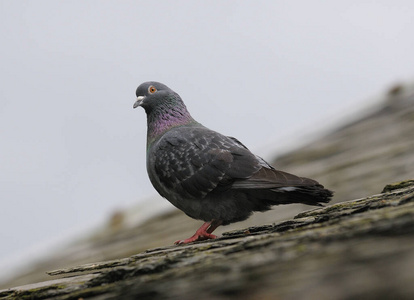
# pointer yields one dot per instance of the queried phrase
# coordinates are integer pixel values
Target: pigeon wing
(270, 178)
(193, 163)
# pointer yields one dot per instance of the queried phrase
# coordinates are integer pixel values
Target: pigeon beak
(139, 101)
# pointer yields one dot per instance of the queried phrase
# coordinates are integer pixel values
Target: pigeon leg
(203, 233)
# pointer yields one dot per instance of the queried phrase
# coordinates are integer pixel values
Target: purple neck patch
(162, 120)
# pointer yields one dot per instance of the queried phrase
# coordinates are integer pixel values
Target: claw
(196, 237)
(203, 233)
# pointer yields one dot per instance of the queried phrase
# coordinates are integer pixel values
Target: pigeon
(210, 176)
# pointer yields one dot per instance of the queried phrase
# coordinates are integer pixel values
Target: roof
(355, 249)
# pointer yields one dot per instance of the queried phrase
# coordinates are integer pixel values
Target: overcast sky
(72, 149)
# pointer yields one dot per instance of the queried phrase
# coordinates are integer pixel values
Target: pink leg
(203, 233)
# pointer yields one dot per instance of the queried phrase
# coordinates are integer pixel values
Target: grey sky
(72, 149)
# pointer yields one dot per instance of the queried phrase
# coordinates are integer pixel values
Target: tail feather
(270, 187)
(311, 195)
(263, 199)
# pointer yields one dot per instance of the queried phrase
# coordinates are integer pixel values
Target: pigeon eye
(152, 89)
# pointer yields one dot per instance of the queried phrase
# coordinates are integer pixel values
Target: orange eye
(152, 89)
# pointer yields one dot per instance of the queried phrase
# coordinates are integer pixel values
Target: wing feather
(196, 161)
(269, 178)
(199, 160)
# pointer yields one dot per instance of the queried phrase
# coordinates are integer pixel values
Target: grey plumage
(209, 176)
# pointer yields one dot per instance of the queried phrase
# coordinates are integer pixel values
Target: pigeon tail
(270, 187)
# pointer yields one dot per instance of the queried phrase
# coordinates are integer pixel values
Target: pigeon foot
(203, 233)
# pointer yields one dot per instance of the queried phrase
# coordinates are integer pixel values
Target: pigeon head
(151, 93)
(163, 106)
